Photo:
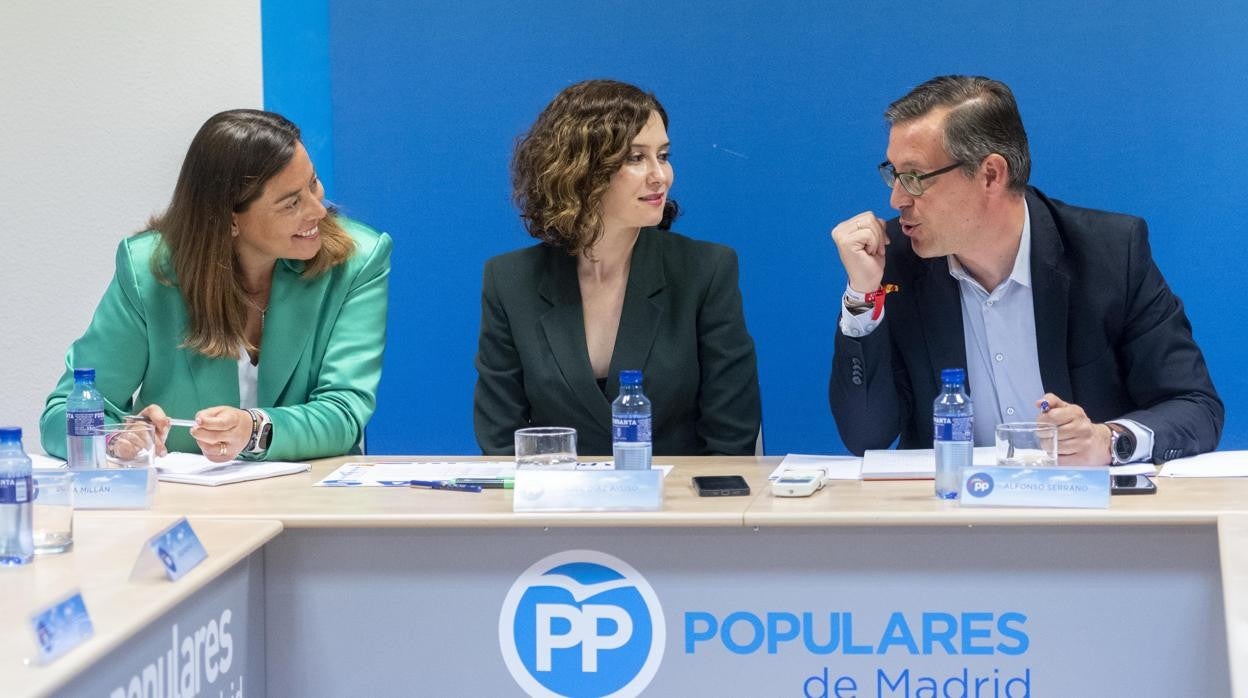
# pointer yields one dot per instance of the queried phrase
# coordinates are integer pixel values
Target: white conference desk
(406, 591)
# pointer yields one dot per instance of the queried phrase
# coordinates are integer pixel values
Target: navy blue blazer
(1112, 338)
(681, 324)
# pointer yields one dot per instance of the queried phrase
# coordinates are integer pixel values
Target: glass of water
(53, 510)
(129, 445)
(1027, 445)
(551, 448)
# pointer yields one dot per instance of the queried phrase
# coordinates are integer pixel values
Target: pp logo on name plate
(979, 485)
(582, 624)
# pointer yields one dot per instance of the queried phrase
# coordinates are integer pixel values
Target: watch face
(266, 435)
(1124, 445)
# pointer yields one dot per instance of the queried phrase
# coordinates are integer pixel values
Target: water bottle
(952, 433)
(17, 546)
(630, 424)
(84, 418)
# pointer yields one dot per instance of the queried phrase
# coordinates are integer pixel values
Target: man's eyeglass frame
(912, 182)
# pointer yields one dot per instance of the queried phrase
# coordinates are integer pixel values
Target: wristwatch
(855, 307)
(1121, 443)
(261, 432)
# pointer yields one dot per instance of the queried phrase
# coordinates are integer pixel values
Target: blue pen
(445, 485)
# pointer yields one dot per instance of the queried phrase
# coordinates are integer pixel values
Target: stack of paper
(834, 467)
(1215, 464)
(195, 469)
(400, 474)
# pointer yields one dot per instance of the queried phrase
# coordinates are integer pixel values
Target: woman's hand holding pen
(221, 432)
(1080, 441)
(156, 416)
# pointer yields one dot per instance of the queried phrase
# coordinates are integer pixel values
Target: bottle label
(15, 490)
(84, 423)
(630, 428)
(952, 429)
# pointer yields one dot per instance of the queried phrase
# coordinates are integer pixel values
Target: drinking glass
(53, 510)
(1027, 445)
(551, 448)
(129, 445)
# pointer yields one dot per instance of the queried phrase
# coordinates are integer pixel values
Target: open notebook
(194, 469)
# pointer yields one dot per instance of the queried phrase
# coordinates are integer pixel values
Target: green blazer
(319, 365)
(682, 325)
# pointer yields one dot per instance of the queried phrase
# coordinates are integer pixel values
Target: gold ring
(221, 451)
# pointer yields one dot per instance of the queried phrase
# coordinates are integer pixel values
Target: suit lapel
(1050, 294)
(564, 327)
(294, 309)
(215, 380)
(642, 311)
(937, 294)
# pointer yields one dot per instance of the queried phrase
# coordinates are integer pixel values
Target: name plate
(176, 550)
(61, 627)
(588, 490)
(114, 488)
(1076, 488)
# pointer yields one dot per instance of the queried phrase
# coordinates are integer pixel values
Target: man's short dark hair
(983, 119)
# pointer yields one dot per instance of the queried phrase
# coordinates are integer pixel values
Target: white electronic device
(798, 482)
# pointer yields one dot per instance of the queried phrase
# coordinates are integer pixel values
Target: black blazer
(1112, 338)
(681, 324)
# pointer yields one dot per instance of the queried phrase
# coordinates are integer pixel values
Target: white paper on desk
(1132, 469)
(235, 471)
(914, 464)
(195, 469)
(835, 467)
(186, 463)
(1214, 464)
(39, 460)
(376, 474)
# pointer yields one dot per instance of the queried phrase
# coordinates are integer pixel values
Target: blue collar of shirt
(1020, 274)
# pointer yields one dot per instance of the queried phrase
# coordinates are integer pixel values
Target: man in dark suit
(1057, 313)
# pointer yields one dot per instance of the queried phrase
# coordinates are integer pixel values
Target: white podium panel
(851, 612)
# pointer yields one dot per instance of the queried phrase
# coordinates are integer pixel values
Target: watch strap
(261, 432)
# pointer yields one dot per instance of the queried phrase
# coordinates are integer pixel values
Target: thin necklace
(265, 309)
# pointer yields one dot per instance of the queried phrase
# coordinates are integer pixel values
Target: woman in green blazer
(610, 288)
(248, 306)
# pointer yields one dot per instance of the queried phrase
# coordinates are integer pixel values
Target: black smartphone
(720, 485)
(1132, 484)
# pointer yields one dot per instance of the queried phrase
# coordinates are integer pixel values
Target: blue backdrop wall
(777, 128)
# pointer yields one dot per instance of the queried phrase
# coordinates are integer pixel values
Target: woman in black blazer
(610, 288)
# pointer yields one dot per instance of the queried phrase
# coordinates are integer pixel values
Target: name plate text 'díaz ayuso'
(588, 490)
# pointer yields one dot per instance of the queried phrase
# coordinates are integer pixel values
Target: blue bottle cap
(953, 375)
(630, 377)
(84, 374)
(10, 434)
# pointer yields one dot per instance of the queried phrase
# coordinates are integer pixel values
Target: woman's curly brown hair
(563, 165)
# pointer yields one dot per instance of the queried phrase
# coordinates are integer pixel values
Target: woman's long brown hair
(226, 167)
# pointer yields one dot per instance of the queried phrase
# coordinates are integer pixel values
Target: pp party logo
(979, 485)
(582, 624)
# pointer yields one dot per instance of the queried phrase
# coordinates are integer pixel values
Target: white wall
(98, 102)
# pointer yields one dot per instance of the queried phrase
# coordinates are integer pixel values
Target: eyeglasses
(912, 182)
